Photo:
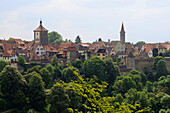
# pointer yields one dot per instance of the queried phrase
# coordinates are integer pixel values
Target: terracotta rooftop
(40, 28)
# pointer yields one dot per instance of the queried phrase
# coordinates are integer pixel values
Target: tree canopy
(140, 42)
(78, 40)
(54, 36)
(3, 63)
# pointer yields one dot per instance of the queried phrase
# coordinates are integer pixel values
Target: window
(103, 58)
(37, 52)
(37, 33)
(98, 54)
(41, 48)
(103, 54)
(118, 47)
(37, 48)
(42, 52)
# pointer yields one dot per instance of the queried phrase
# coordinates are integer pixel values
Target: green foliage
(167, 53)
(50, 68)
(136, 97)
(13, 86)
(54, 61)
(77, 63)
(3, 63)
(46, 76)
(167, 41)
(67, 75)
(53, 36)
(140, 42)
(35, 68)
(92, 99)
(21, 60)
(58, 99)
(10, 39)
(161, 69)
(112, 70)
(37, 94)
(56, 73)
(155, 61)
(165, 101)
(128, 43)
(78, 40)
(95, 66)
(118, 60)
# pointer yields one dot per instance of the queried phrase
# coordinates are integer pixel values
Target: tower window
(37, 33)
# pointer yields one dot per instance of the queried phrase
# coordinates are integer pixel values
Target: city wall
(141, 63)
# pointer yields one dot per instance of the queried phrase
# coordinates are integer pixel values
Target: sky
(144, 20)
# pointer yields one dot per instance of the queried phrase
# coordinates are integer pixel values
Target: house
(118, 46)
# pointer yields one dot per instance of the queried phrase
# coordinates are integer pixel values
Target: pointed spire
(122, 29)
(40, 22)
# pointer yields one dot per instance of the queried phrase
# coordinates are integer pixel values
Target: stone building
(41, 35)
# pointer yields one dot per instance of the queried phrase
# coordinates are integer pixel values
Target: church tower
(41, 35)
(122, 35)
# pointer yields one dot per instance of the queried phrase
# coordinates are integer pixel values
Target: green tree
(123, 85)
(165, 101)
(46, 76)
(112, 70)
(77, 63)
(155, 61)
(37, 95)
(92, 99)
(54, 61)
(167, 41)
(13, 85)
(35, 68)
(50, 68)
(140, 42)
(128, 43)
(167, 53)
(95, 66)
(10, 39)
(21, 60)
(58, 99)
(3, 63)
(78, 40)
(56, 73)
(67, 75)
(161, 69)
(53, 36)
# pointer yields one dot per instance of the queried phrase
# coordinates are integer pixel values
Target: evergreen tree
(78, 40)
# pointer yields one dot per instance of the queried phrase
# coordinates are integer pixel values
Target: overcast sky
(147, 20)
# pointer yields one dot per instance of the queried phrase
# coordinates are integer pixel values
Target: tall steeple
(122, 34)
(41, 34)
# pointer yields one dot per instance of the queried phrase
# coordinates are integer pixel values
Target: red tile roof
(40, 28)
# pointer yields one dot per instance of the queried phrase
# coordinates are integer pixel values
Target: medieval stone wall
(141, 63)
